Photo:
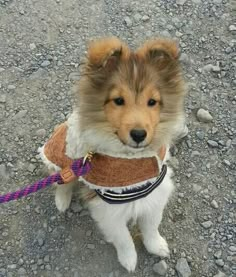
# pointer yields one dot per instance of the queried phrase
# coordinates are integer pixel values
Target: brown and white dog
(129, 108)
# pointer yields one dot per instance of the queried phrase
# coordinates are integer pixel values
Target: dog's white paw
(62, 200)
(158, 247)
(128, 259)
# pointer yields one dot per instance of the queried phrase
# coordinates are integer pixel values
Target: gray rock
(21, 271)
(232, 28)
(137, 17)
(31, 168)
(220, 262)
(128, 21)
(212, 143)
(200, 135)
(3, 173)
(39, 74)
(220, 274)
(45, 63)
(184, 58)
(74, 76)
(183, 268)
(207, 224)
(145, 18)
(204, 116)
(180, 2)
(211, 67)
(41, 132)
(90, 246)
(20, 114)
(160, 268)
(3, 98)
(217, 1)
(232, 248)
(32, 46)
(11, 87)
(218, 254)
(214, 204)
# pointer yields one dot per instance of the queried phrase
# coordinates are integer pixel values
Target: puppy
(129, 110)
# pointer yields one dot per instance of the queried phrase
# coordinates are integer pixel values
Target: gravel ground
(41, 44)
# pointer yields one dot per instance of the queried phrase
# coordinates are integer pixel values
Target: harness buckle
(88, 157)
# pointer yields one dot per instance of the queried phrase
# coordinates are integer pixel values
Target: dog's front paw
(158, 247)
(128, 259)
(62, 200)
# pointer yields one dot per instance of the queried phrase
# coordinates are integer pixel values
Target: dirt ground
(41, 46)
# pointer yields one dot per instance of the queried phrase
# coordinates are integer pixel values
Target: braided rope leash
(78, 168)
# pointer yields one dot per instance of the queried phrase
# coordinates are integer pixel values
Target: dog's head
(135, 97)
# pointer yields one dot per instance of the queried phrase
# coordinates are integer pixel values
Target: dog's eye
(152, 102)
(119, 101)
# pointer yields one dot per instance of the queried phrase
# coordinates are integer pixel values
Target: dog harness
(109, 172)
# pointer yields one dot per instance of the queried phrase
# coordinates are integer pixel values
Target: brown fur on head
(136, 97)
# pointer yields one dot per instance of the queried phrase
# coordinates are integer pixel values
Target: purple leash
(79, 167)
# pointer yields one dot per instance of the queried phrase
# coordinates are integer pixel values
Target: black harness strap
(133, 194)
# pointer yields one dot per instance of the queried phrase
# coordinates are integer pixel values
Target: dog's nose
(138, 135)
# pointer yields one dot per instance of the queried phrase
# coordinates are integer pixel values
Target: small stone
(207, 224)
(214, 204)
(196, 188)
(12, 266)
(31, 168)
(3, 98)
(11, 87)
(20, 114)
(226, 162)
(3, 173)
(1, 69)
(220, 274)
(45, 63)
(46, 259)
(74, 76)
(160, 268)
(204, 116)
(182, 268)
(39, 74)
(90, 246)
(180, 2)
(145, 18)
(184, 58)
(48, 267)
(137, 17)
(218, 254)
(220, 262)
(20, 262)
(212, 143)
(40, 242)
(217, 1)
(32, 46)
(21, 271)
(200, 135)
(232, 248)
(232, 28)
(41, 132)
(128, 21)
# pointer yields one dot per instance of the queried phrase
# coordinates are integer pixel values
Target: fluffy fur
(103, 124)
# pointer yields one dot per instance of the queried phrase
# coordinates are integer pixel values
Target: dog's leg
(115, 230)
(63, 196)
(153, 241)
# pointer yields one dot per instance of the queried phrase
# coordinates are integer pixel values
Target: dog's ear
(106, 53)
(159, 52)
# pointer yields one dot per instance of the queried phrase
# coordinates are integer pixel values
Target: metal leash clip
(88, 157)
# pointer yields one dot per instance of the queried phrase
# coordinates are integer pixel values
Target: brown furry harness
(110, 172)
